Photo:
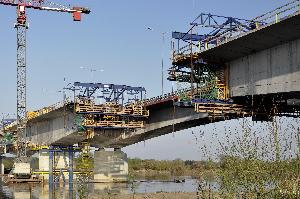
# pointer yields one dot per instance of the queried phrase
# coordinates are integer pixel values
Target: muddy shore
(163, 195)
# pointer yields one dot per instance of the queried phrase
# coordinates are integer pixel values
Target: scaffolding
(109, 106)
(219, 109)
(55, 174)
(207, 82)
(188, 65)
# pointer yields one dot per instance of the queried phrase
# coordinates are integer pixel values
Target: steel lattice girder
(215, 24)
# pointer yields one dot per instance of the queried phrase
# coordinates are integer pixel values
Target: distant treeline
(174, 167)
(181, 167)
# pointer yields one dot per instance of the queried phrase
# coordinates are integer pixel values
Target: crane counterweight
(76, 16)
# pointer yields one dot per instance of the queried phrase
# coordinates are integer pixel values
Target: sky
(212, 141)
(113, 39)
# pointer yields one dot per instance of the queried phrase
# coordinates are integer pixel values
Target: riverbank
(162, 195)
(168, 170)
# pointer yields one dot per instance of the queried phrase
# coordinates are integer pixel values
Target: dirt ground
(177, 195)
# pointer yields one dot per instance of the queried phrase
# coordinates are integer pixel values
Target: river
(40, 191)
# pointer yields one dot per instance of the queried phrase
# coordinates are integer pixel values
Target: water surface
(40, 191)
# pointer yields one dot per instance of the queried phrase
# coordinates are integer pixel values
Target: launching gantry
(109, 106)
(206, 81)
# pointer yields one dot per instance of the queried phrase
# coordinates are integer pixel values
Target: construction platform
(111, 108)
(8, 179)
(223, 110)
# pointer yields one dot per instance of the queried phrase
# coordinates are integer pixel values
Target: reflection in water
(61, 191)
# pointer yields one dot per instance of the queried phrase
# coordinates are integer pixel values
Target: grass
(164, 169)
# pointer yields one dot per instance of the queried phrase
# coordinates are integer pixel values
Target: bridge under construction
(224, 68)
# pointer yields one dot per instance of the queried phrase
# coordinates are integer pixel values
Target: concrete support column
(60, 160)
(110, 166)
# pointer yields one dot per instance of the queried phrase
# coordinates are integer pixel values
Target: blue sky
(114, 37)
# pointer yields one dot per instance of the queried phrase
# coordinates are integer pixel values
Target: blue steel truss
(70, 168)
(120, 94)
(213, 26)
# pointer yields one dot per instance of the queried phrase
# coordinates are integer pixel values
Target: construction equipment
(207, 80)
(214, 29)
(207, 77)
(108, 106)
(21, 26)
(220, 109)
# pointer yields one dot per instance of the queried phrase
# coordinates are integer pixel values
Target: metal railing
(222, 93)
(34, 114)
(288, 9)
(166, 96)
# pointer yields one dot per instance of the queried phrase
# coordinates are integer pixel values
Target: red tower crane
(21, 26)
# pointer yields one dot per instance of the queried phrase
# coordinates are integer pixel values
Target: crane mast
(21, 27)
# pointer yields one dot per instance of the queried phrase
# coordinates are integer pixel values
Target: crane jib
(49, 8)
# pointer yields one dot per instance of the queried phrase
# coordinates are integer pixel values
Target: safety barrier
(34, 114)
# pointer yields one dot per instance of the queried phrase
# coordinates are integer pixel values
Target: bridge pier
(60, 162)
(110, 166)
